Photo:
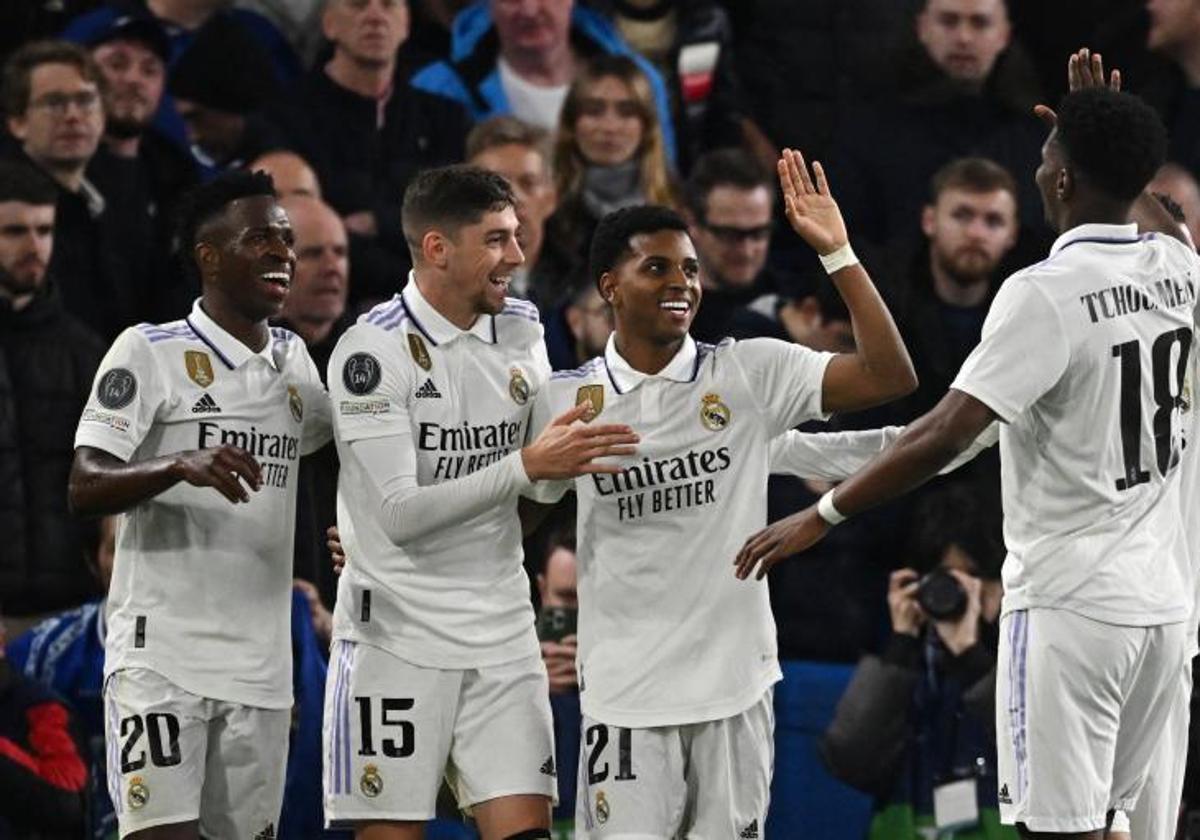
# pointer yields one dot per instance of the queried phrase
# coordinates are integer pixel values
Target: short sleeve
(787, 380)
(318, 420)
(1003, 371)
(369, 385)
(127, 394)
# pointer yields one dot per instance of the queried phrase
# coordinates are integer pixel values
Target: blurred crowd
(921, 111)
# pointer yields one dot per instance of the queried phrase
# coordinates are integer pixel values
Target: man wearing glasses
(52, 105)
(729, 204)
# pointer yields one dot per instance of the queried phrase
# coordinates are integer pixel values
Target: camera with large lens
(941, 596)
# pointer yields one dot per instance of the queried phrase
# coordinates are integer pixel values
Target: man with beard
(139, 171)
(970, 224)
(47, 359)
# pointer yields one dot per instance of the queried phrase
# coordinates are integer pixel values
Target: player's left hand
(810, 207)
(779, 540)
(1085, 69)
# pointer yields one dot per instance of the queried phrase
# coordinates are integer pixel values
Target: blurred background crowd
(921, 111)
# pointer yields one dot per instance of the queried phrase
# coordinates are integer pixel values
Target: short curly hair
(1115, 140)
(207, 201)
(610, 242)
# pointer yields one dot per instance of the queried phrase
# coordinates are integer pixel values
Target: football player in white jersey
(677, 659)
(193, 433)
(1084, 358)
(435, 669)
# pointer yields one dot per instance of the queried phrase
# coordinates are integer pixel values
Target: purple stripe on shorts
(1023, 755)
(348, 666)
(339, 696)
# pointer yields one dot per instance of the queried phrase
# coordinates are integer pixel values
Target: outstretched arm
(928, 445)
(880, 369)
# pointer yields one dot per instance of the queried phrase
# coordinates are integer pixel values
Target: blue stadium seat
(805, 800)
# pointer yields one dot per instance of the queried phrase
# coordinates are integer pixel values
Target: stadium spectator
(367, 131)
(315, 309)
(220, 85)
(290, 172)
(730, 199)
(556, 584)
(608, 154)
(43, 775)
(520, 57)
(520, 152)
(47, 359)
(919, 717)
(140, 172)
(691, 45)
(1175, 35)
(52, 102)
(183, 21)
(578, 330)
(960, 88)
(969, 226)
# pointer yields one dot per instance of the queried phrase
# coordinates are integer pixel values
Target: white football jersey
(201, 587)
(457, 597)
(1084, 358)
(667, 635)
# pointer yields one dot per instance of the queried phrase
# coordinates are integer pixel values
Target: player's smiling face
(655, 291)
(482, 258)
(256, 257)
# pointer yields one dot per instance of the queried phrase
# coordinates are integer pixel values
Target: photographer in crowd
(915, 727)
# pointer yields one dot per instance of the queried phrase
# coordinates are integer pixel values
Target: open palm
(810, 208)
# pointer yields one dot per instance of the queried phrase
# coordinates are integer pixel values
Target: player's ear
(435, 248)
(208, 258)
(1065, 184)
(608, 286)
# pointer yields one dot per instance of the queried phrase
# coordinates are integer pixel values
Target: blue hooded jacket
(472, 76)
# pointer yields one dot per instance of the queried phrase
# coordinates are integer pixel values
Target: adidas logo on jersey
(428, 391)
(206, 405)
(547, 768)
(267, 833)
(1003, 798)
(750, 832)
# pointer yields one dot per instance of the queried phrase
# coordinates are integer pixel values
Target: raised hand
(1085, 69)
(907, 615)
(223, 468)
(810, 207)
(779, 540)
(568, 448)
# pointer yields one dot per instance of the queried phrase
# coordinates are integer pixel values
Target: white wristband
(827, 511)
(839, 259)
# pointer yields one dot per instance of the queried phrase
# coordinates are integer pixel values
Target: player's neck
(253, 334)
(446, 300)
(1093, 210)
(643, 355)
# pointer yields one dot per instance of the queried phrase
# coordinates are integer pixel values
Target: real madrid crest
(295, 403)
(371, 782)
(138, 794)
(601, 807)
(594, 395)
(199, 367)
(419, 352)
(714, 414)
(518, 387)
